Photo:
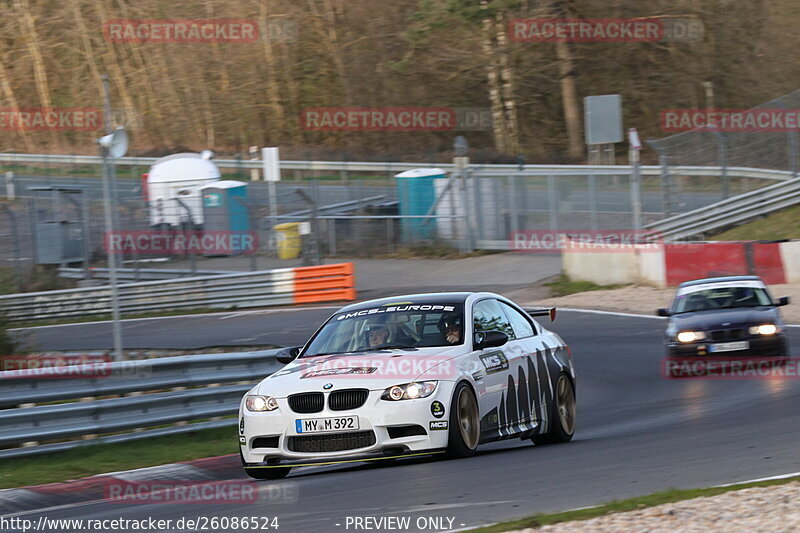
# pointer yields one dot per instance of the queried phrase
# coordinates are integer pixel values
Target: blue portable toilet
(416, 195)
(225, 209)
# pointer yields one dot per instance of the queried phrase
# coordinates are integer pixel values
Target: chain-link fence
(359, 213)
(762, 148)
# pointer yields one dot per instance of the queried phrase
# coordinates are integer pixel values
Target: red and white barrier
(668, 265)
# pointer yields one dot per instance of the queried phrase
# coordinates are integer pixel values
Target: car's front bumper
(765, 346)
(380, 417)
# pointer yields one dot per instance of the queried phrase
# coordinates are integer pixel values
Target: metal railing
(208, 387)
(240, 290)
(395, 167)
(728, 212)
(137, 274)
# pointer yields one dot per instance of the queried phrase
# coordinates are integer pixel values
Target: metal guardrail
(214, 386)
(138, 274)
(735, 210)
(242, 289)
(394, 167)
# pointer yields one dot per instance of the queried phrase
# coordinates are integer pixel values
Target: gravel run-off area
(763, 509)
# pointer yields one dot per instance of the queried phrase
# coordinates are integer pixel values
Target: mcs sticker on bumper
(438, 424)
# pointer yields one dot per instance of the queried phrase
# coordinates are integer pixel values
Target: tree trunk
(499, 127)
(569, 95)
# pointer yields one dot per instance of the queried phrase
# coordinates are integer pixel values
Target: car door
(531, 373)
(496, 373)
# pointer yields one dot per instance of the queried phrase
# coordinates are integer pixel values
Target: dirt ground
(643, 300)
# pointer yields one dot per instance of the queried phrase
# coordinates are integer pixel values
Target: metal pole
(552, 201)
(636, 189)
(15, 243)
(723, 161)
(10, 192)
(315, 257)
(666, 192)
(111, 170)
(273, 208)
(112, 257)
(593, 202)
(191, 233)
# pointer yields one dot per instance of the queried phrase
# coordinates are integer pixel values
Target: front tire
(265, 473)
(562, 414)
(464, 423)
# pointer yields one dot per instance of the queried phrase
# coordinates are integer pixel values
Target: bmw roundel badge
(327, 386)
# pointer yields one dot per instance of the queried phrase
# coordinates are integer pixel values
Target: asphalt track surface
(637, 434)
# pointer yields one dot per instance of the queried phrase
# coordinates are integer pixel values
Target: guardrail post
(593, 201)
(723, 162)
(10, 192)
(666, 186)
(552, 203)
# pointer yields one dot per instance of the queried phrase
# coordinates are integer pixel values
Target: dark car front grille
(331, 442)
(727, 334)
(343, 400)
(307, 402)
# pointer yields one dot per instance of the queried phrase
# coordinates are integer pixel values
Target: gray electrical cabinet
(60, 225)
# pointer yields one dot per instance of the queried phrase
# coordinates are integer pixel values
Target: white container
(179, 177)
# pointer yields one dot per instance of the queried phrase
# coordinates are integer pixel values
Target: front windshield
(390, 327)
(721, 298)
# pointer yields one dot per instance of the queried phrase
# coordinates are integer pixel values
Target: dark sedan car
(731, 316)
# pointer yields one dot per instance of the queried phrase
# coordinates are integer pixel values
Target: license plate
(324, 425)
(728, 346)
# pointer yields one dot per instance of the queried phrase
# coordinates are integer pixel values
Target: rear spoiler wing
(551, 312)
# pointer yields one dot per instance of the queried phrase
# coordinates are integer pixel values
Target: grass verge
(781, 225)
(563, 286)
(98, 459)
(621, 506)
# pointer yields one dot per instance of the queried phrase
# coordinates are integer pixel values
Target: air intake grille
(343, 400)
(331, 442)
(265, 442)
(307, 402)
(727, 334)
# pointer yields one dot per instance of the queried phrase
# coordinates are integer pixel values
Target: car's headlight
(410, 391)
(260, 403)
(764, 329)
(691, 336)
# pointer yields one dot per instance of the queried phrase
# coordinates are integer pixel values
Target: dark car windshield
(721, 298)
(389, 327)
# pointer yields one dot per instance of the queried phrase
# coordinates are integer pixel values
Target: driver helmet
(449, 321)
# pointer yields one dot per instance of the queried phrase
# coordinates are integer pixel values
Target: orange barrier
(324, 283)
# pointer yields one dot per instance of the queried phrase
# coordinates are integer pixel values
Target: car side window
(522, 326)
(489, 316)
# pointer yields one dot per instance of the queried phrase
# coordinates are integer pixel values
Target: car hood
(714, 319)
(372, 370)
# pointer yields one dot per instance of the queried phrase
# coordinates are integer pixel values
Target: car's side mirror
(287, 355)
(783, 301)
(489, 339)
(663, 312)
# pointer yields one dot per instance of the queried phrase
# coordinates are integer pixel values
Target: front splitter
(343, 460)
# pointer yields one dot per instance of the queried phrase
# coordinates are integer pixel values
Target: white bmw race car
(412, 375)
